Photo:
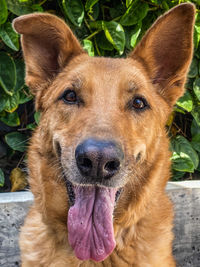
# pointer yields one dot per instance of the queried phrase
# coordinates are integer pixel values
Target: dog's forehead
(102, 70)
(99, 77)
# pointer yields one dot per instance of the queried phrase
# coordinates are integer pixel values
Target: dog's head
(102, 119)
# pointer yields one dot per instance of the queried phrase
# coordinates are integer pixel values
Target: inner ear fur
(166, 51)
(48, 44)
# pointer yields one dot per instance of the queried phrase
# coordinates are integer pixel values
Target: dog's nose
(98, 159)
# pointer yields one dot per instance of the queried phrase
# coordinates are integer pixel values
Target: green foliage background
(105, 28)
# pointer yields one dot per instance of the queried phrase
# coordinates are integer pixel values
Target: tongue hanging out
(90, 225)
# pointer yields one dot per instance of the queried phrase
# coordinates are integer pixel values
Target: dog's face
(103, 118)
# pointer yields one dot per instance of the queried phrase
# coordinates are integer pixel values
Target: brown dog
(99, 160)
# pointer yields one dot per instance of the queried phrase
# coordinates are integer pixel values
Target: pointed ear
(48, 44)
(166, 51)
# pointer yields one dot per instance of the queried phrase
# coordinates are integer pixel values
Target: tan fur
(157, 70)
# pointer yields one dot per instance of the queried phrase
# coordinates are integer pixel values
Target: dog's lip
(71, 194)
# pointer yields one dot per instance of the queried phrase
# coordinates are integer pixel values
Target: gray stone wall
(13, 208)
(186, 198)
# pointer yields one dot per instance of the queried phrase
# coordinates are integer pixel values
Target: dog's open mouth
(90, 221)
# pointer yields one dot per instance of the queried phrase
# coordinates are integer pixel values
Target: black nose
(98, 159)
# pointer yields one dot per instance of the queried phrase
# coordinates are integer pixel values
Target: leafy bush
(105, 28)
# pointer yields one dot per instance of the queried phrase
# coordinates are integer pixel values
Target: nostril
(84, 164)
(112, 166)
(87, 163)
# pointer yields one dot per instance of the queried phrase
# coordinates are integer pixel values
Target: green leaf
(196, 88)
(164, 5)
(12, 103)
(90, 3)
(103, 43)
(37, 8)
(185, 101)
(31, 126)
(157, 2)
(176, 175)
(3, 11)
(184, 157)
(135, 13)
(135, 33)
(195, 128)
(81, 32)
(182, 163)
(132, 33)
(9, 36)
(197, 2)
(74, 10)
(16, 141)
(11, 119)
(198, 59)
(193, 72)
(93, 12)
(117, 11)
(198, 168)
(189, 84)
(2, 178)
(37, 117)
(3, 100)
(7, 73)
(179, 110)
(20, 74)
(196, 114)
(20, 7)
(24, 96)
(128, 2)
(196, 36)
(196, 142)
(88, 46)
(114, 33)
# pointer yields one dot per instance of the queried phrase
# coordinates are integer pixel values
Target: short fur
(157, 70)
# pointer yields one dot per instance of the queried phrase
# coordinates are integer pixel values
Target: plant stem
(92, 35)
(96, 46)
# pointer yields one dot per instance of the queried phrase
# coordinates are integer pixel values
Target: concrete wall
(13, 208)
(186, 198)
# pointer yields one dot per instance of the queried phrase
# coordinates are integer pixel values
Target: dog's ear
(48, 44)
(166, 51)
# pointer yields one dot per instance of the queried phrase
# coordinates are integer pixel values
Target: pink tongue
(90, 225)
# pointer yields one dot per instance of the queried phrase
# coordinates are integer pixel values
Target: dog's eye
(69, 97)
(139, 103)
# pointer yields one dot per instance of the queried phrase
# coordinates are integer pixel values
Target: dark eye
(139, 103)
(69, 97)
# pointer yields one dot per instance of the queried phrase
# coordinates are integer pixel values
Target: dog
(99, 160)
